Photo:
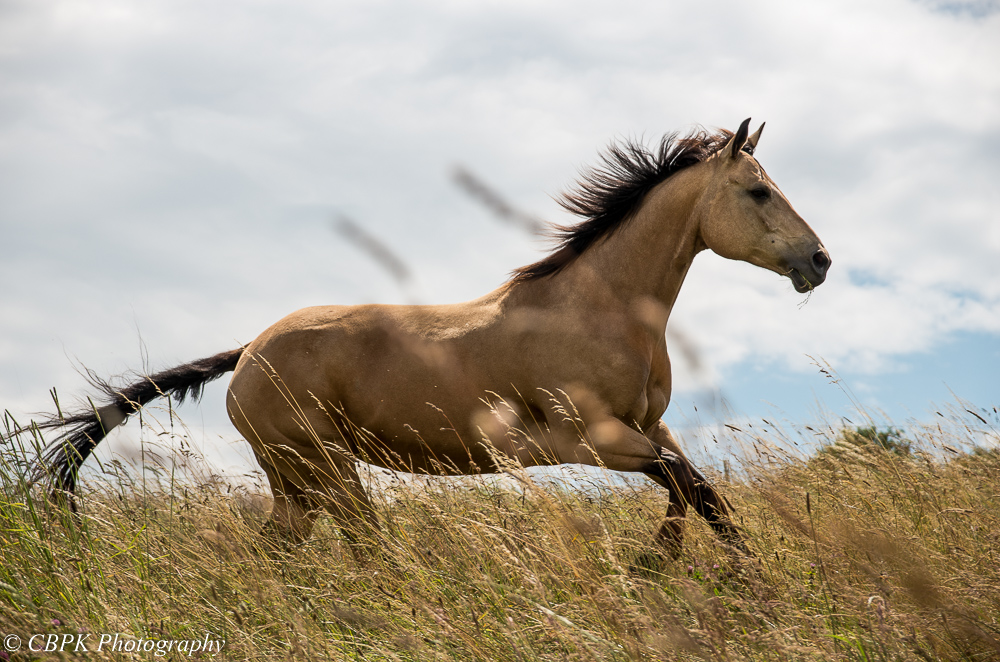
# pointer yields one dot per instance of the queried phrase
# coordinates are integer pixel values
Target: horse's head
(745, 217)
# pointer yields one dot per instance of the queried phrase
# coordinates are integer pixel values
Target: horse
(566, 362)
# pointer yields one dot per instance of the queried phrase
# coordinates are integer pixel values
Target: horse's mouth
(799, 282)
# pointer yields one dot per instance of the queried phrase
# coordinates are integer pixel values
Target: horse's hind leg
(302, 489)
(292, 515)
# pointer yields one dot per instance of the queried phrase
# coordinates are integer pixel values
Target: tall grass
(862, 553)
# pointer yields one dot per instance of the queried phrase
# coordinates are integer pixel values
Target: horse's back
(380, 366)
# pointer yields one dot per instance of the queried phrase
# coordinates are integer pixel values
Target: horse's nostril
(821, 261)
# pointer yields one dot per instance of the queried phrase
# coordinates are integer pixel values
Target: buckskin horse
(564, 363)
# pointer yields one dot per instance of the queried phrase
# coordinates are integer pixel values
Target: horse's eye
(761, 193)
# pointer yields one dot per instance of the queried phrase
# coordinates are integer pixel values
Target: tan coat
(567, 368)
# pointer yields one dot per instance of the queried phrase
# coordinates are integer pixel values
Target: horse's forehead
(754, 166)
(757, 170)
(747, 163)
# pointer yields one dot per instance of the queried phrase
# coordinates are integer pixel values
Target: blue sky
(170, 173)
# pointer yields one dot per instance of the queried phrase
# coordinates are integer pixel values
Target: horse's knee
(668, 441)
(678, 475)
(691, 485)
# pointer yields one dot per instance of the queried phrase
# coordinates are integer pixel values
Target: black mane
(608, 195)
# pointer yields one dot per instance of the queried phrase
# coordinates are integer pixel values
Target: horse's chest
(644, 386)
(634, 381)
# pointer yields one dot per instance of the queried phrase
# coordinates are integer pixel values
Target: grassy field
(875, 548)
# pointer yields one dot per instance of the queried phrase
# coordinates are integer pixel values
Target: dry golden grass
(862, 554)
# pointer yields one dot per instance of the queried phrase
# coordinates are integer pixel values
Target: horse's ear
(751, 145)
(740, 139)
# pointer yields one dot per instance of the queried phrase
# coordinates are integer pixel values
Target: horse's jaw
(799, 282)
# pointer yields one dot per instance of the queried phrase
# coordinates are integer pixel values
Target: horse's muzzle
(809, 275)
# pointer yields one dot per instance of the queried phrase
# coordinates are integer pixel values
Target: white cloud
(175, 166)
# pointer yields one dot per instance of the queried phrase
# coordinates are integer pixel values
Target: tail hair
(60, 461)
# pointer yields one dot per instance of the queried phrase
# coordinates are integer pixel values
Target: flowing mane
(607, 195)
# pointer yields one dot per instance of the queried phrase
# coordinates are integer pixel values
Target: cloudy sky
(171, 173)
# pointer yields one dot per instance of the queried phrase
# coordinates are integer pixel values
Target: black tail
(62, 458)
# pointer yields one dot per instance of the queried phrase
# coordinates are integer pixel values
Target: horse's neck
(643, 262)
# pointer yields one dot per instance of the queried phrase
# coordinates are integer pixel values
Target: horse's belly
(426, 428)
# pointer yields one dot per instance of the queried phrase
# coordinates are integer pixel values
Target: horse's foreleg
(658, 456)
(681, 477)
(671, 533)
